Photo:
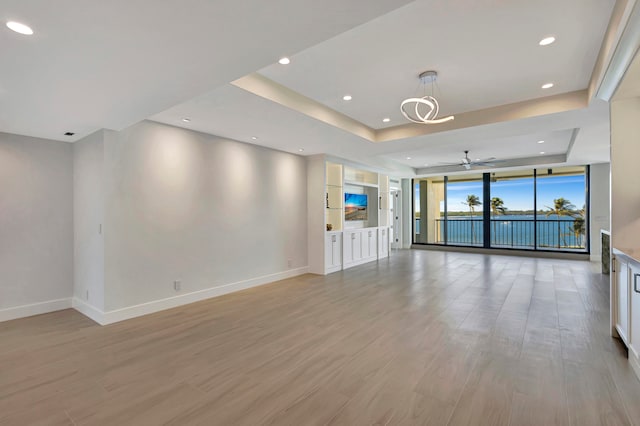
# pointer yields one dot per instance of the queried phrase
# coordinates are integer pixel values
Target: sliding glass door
(562, 208)
(512, 209)
(464, 221)
(541, 209)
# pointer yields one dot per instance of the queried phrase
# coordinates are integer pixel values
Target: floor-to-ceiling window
(512, 209)
(464, 222)
(541, 209)
(562, 208)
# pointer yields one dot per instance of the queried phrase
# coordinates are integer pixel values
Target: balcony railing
(507, 232)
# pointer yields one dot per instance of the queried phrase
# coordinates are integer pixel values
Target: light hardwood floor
(421, 338)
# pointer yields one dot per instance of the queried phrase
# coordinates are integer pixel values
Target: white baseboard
(129, 312)
(634, 361)
(34, 309)
(88, 310)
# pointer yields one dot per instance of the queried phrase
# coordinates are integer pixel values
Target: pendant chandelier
(424, 110)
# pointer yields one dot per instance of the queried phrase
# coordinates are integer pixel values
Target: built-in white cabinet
(625, 298)
(372, 244)
(621, 276)
(634, 325)
(360, 246)
(352, 248)
(383, 242)
(333, 251)
(348, 210)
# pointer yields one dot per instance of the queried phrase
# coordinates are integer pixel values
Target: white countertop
(630, 254)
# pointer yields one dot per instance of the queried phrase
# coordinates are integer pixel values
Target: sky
(517, 194)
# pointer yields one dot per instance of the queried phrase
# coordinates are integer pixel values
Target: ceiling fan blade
(488, 161)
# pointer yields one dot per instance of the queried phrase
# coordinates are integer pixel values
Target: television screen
(355, 206)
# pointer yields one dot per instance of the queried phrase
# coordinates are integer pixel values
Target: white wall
(181, 205)
(599, 204)
(88, 209)
(316, 213)
(407, 214)
(36, 225)
(625, 191)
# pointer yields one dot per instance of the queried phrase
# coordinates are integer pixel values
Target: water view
(450, 210)
(513, 231)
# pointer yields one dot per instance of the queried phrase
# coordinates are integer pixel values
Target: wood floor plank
(593, 397)
(421, 338)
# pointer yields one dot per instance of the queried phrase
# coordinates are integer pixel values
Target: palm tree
(561, 207)
(578, 229)
(472, 201)
(497, 207)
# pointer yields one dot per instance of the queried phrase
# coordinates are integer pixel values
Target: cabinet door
(352, 246)
(634, 313)
(357, 245)
(383, 250)
(622, 298)
(348, 248)
(332, 251)
(370, 243)
(374, 244)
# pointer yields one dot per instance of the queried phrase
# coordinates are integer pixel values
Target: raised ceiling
(111, 64)
(485, 51)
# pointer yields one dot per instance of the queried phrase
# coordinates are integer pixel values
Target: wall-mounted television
(355, 206)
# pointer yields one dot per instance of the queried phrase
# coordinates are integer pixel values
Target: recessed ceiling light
(547, 86)
(426, 164)
(477, 159)
(19, 28)
(408, 158)
(547, 41)
(540, 141)
(254, 138)
(284, 61)
(386, 120)
(541, 152)
(301, 150)
(347, 97)
(186, 120)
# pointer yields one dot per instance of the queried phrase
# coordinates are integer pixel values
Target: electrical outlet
(289, 263)
(177, 285)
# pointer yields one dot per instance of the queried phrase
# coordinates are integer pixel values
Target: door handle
(635, 283)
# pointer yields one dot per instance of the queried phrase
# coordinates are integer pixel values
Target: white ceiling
(234, 113)
(485, 51)
(109, 64)
(91, 66)
(519, 146)
(630, 86)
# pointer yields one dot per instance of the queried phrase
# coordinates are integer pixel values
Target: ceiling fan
(467, 163)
